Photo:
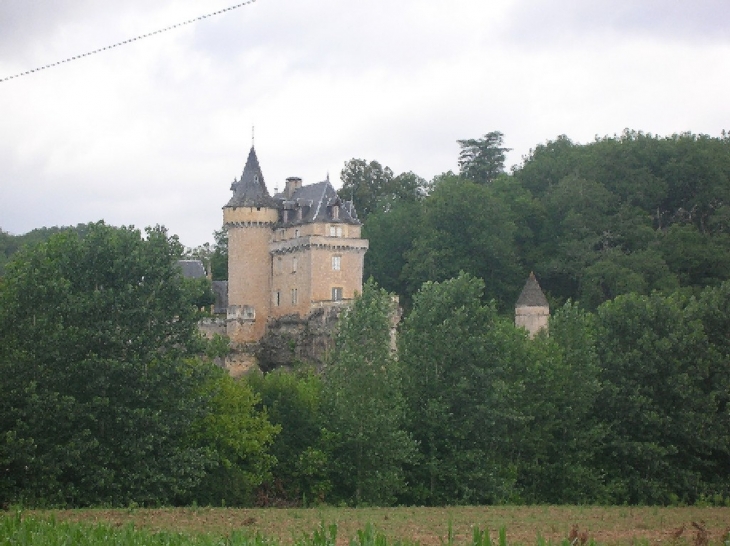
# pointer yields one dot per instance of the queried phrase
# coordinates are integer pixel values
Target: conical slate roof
(532, 295)
(250, 190)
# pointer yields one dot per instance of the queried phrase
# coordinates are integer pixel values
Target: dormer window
(335, 212)
(299, 214)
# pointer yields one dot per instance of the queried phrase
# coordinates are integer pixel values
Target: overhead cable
(125, 42)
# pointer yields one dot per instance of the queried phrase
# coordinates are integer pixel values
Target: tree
(659, 401)
(240, 436)
(391, 234)
(462, 383)
(363, 405)
(557, 443)
(364, 184)
(465, 227)
(482, 160)
(100, 386)
(292, 400)
(374, 188)
(219, 257)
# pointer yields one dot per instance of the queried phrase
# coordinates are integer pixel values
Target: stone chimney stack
(292, 183)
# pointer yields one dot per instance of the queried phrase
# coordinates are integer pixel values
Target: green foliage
(374, 188)
(662, 399)
(364, 184)
(459, 361)
(239, 436)
(557, 445)
(465, 227)
(10, 244)
(292, 401)
(629, 213)
(391, 234)
(482, 160)
(31, 531)
(99, 388)
(363, 405)
(219, 257)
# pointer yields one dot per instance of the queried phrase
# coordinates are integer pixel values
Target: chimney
(292, 183)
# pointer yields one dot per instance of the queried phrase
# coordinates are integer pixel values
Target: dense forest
(628, 214)
(110, 396)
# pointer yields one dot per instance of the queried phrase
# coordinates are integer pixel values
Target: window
(277, 298)
(293, 296)
(335, 212)
(333, 231)
(336, 262)
(336, 293)
(296, 233)
(294, 263)
(249, 313)
(338, 231)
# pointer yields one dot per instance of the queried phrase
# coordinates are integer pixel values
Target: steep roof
(314, 201)
(532, 295)
(250, 190)
(192, 269)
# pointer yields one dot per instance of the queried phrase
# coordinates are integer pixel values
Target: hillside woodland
(110, 397)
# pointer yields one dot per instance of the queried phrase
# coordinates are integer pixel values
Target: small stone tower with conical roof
(249, 218)
(532, 310)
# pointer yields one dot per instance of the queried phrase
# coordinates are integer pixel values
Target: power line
(125, 42)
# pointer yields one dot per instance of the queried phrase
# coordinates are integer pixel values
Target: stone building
(288, 254)
(532, 310)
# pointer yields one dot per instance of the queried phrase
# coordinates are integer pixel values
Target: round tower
(249, 218)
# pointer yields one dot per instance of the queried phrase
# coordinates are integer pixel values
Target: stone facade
(288, 255)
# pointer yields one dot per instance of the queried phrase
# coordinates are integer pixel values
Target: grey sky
(155, 132)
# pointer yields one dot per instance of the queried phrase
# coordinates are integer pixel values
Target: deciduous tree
(363, 406)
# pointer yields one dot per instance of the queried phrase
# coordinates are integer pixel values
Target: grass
(454, 526)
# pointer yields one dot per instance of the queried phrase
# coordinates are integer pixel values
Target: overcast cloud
(154, 132)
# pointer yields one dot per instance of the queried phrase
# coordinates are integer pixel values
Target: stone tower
(249, 218)
(532, 310)
(293, 254)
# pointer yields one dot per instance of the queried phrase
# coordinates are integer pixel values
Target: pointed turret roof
(250, 190)
(532, 295)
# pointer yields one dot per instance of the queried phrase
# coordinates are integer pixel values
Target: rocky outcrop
(291, 339)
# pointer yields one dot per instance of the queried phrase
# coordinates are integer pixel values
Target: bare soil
(429, 526)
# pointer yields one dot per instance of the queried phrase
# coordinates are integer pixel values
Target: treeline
(10, 244)
(110, 396)
(626, 214)
(625, 405)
